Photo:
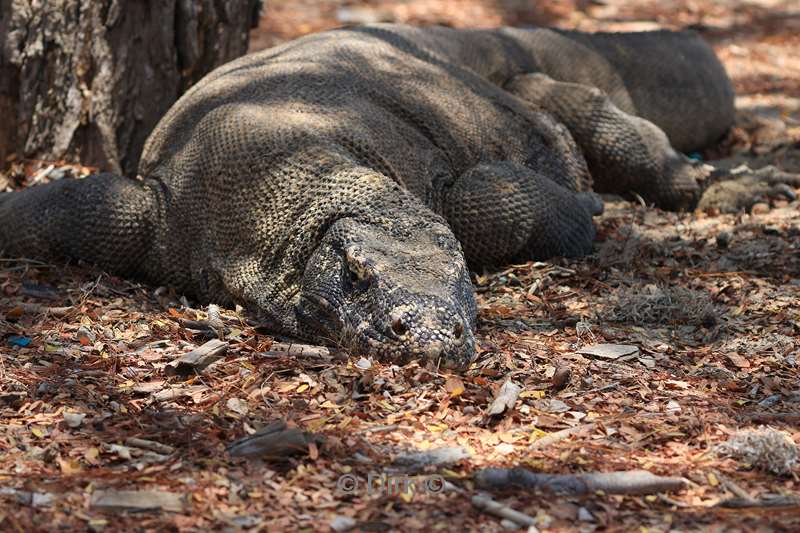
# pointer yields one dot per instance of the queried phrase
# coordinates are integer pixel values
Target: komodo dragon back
(340, 187)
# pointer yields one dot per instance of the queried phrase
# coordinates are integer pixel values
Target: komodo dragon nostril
(398, 327)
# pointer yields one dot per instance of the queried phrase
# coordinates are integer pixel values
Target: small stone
(42, 499)
(759, 209)
(724, 239)
(341, 523)
(769, 401)
(504, 448)
(609, 351)
(552, 406)
(648, 362)
(74, 420)
(673, 407)
(299, 404)
(364, 364)
(561, 377)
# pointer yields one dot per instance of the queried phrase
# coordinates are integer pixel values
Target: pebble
(74, 420)
(584, 515)
(769, 401)
(724, 239)
(341, 523)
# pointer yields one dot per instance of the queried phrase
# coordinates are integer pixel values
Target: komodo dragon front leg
(628, 154)
(104, 219)
(504, 211)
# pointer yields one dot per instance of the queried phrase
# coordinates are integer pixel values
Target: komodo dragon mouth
(399, 297)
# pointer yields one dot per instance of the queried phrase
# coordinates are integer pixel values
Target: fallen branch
(487, 504)
(733, 488)
(197, 359)
(669, 501)
(34, 308)
(151, 445)
(626, 482)
(41, 292)
(766, 417)
(132, 500)
(278, 350)
(381, 429)
(777, 502)
(611, 386)
(436, 457)
(274, 441)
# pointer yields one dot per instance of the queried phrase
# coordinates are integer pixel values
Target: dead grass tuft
(662, 304)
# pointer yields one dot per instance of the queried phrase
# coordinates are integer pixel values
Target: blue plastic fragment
(17, 340)
(696, 156)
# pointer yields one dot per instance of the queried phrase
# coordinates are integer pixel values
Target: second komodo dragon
(339, 185)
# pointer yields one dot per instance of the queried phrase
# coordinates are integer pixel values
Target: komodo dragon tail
(103, 219)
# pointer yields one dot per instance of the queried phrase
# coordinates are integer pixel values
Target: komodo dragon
(330, 184)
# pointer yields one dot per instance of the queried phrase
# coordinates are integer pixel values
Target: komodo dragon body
(340, 185)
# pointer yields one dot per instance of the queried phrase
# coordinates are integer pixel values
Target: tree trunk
(89, 79)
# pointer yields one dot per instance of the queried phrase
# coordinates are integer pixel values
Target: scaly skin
(340, 186)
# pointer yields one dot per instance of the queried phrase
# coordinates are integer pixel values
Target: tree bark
(88, 80)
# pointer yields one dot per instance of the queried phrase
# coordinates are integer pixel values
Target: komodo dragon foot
(730, 191)
(628, 154)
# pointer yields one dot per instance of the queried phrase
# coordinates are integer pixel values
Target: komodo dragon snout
(397, 294)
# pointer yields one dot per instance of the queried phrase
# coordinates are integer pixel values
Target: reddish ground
(711, 303)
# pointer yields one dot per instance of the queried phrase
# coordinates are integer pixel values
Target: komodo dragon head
(393, 293)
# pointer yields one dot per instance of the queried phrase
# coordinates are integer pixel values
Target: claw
(743, 187)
